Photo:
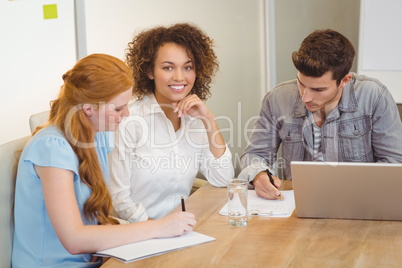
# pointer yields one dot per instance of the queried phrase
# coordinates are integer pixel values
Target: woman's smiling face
(174, 74)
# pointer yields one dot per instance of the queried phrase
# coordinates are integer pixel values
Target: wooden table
(280, 242)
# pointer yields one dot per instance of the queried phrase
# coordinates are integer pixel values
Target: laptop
(370, 191)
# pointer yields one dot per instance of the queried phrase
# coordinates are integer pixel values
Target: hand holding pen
(175, 223)
(263, 183)
(273, 183)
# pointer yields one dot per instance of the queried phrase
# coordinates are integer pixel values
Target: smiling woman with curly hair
(172, 134)
(144, 48)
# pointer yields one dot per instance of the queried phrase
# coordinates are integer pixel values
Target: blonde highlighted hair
(94, 79)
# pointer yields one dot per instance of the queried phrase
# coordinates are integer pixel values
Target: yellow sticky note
(50, 11)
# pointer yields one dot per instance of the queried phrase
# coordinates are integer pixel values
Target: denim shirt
(364, 127)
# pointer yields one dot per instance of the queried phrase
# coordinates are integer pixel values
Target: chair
(197, 184)
(38, 119)
(8, 171)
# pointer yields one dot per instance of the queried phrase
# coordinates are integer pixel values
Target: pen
(183, 208)
(272, 182)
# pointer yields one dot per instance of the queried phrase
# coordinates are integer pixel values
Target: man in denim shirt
(325, 114)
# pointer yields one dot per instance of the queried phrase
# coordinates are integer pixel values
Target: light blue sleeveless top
(35, 241)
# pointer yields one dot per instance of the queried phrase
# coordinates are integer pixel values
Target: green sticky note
(50, 12)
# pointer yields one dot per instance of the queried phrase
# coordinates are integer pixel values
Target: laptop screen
(348, 190)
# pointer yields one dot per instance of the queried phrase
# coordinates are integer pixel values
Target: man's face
(320, 93)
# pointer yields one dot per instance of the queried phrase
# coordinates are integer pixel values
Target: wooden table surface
(280, 242)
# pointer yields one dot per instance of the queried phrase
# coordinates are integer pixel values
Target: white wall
(40, 51)
(380, 43)
(34, 53)
(295, 19)
(237, 27)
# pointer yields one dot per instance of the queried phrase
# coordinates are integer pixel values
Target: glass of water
(237, 202)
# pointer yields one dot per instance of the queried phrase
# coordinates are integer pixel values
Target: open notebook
(152, 247)
(258, 206)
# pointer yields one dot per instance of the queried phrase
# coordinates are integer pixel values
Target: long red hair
(94, 79)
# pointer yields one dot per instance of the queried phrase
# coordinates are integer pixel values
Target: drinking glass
(237, 202)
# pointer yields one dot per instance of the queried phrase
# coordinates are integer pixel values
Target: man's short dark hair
(323, 51)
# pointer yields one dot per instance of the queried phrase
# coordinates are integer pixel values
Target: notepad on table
(258, 206)
(152, 247)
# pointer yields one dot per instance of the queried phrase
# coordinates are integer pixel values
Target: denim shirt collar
(347, 103)
(299, 110)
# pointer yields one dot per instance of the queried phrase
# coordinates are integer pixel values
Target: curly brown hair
(143, 50)
(322, 51)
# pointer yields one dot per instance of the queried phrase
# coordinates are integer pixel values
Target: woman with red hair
(62, 204)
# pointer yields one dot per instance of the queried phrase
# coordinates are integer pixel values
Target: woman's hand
(193, 106)
(175, 224)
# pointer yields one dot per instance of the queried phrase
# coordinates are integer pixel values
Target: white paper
(258, 206)
(152, 247)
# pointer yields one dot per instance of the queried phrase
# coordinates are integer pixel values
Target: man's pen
(272, 182)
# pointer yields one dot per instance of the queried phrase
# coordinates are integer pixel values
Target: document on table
(152, 247)
(258, 206)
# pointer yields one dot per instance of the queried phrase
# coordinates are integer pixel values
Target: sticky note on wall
(50, 11)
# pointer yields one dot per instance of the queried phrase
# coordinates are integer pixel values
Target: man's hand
(264, 188)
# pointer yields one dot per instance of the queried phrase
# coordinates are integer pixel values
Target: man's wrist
(257, 177)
